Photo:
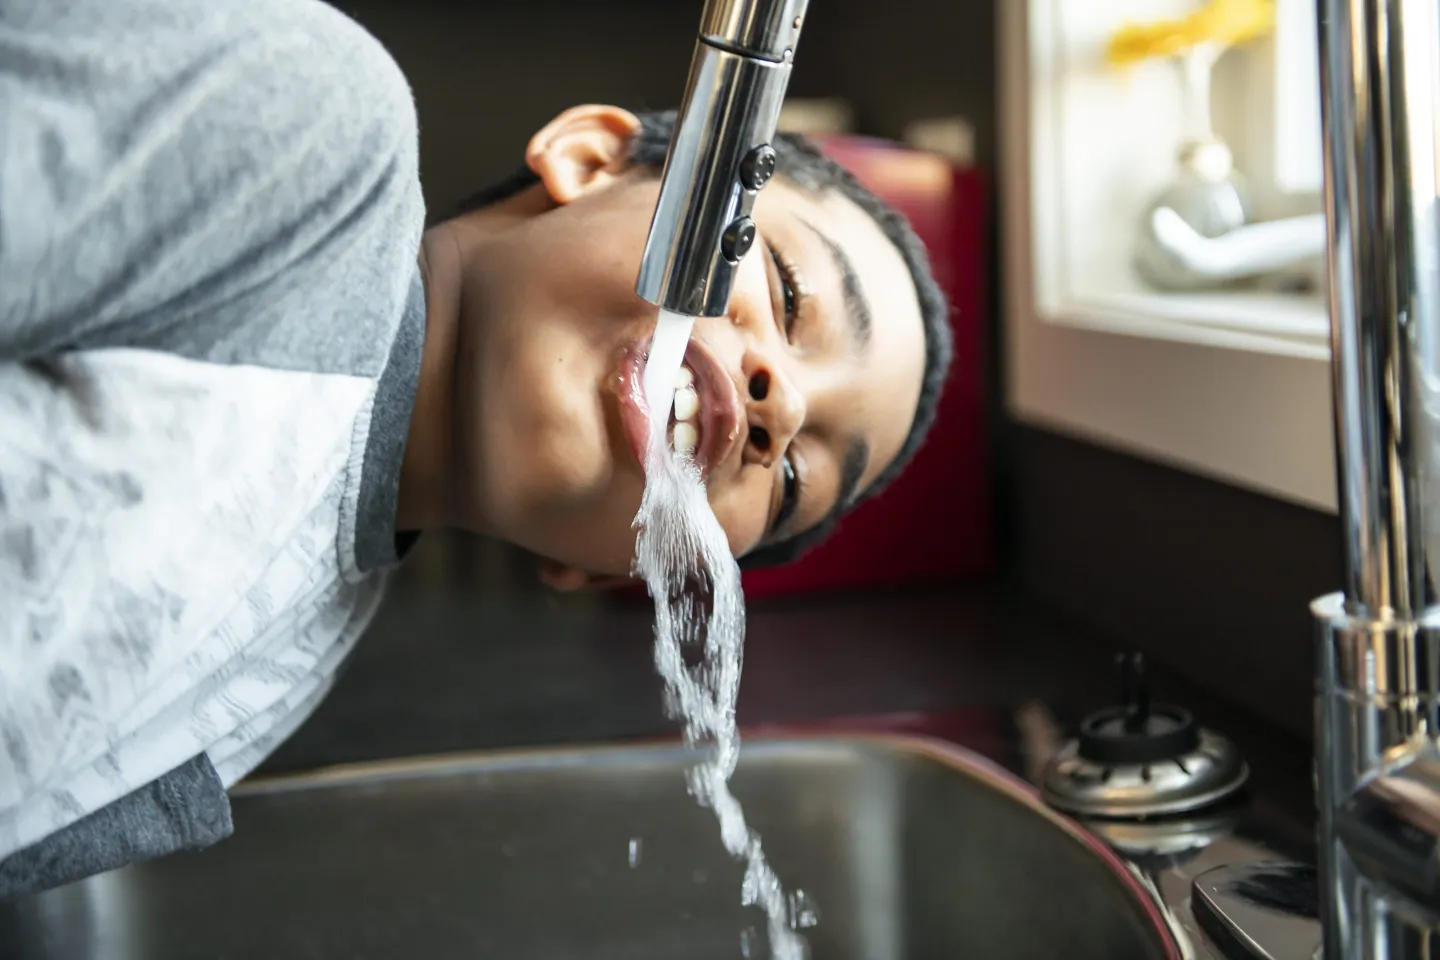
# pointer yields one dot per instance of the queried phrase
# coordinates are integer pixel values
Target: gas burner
(1141, 760)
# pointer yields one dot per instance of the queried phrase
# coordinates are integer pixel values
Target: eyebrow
(857, 458)
(852, 468)
(857, 308)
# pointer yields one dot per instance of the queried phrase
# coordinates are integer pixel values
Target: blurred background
(1125, 460)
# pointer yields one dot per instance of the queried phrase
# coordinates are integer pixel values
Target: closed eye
(789, 495)
(789, 295)
(790, 302)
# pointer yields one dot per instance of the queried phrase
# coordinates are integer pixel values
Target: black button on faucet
(757, 167)
(735, 242)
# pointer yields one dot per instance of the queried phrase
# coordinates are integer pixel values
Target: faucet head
(720, 155)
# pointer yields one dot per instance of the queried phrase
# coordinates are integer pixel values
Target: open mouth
(704, 421)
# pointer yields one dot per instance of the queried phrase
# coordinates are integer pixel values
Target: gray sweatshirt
(211, 321)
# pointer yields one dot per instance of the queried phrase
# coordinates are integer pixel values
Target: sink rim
(958, 759)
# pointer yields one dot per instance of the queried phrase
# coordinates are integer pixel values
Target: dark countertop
(469, 653)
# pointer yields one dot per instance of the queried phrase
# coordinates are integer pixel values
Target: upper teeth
(685, 436)
(687, 403)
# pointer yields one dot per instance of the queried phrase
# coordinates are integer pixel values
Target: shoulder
(306, 57)
(315, 84)
(300, 214)
(250, 64)
(228, 181)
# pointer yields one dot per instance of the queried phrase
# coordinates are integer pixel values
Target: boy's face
(806, 390)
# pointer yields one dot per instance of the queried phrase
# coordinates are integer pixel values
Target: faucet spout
(720, 154)
(1379, 641)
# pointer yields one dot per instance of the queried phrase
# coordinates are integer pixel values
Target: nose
(774, 409)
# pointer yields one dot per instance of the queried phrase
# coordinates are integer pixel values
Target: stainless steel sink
(906, 848)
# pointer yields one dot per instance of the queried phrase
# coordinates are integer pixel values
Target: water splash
(684, 558)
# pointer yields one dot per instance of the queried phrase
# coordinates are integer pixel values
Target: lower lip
(634, 412)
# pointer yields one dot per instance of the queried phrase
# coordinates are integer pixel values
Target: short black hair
(805, 166)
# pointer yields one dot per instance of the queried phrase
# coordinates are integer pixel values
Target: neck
(436, 490)
(427, 493)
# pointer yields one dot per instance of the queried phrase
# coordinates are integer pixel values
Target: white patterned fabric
(211, 322)
(172, 574)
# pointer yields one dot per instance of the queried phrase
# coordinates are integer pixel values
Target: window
(1233, 384)
(1299, 163)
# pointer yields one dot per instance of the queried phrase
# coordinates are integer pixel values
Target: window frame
(1231, 386)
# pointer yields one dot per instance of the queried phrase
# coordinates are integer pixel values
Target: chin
(615, 560)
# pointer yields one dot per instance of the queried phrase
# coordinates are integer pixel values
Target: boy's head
(814, 391)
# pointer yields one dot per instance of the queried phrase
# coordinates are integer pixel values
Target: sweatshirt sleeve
(163, 163)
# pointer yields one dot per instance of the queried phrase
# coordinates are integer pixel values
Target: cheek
(544, 436)
(581, 262)
(742, 508)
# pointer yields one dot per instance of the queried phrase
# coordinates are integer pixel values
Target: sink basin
(905, 847)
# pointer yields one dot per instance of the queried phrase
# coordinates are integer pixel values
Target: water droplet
(699, 876)
(803, 912)
(747, 942)
(634, 852)
(750, 886)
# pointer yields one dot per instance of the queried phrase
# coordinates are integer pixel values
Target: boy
(237, 378)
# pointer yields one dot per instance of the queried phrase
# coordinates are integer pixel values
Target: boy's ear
(583, 149)
(566, 579)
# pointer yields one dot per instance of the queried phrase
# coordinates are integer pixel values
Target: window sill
(1272, 323)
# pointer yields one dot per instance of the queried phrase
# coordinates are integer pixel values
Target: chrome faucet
(720, 154)
(1378, 659)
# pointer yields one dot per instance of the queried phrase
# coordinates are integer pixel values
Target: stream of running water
(683, 555)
